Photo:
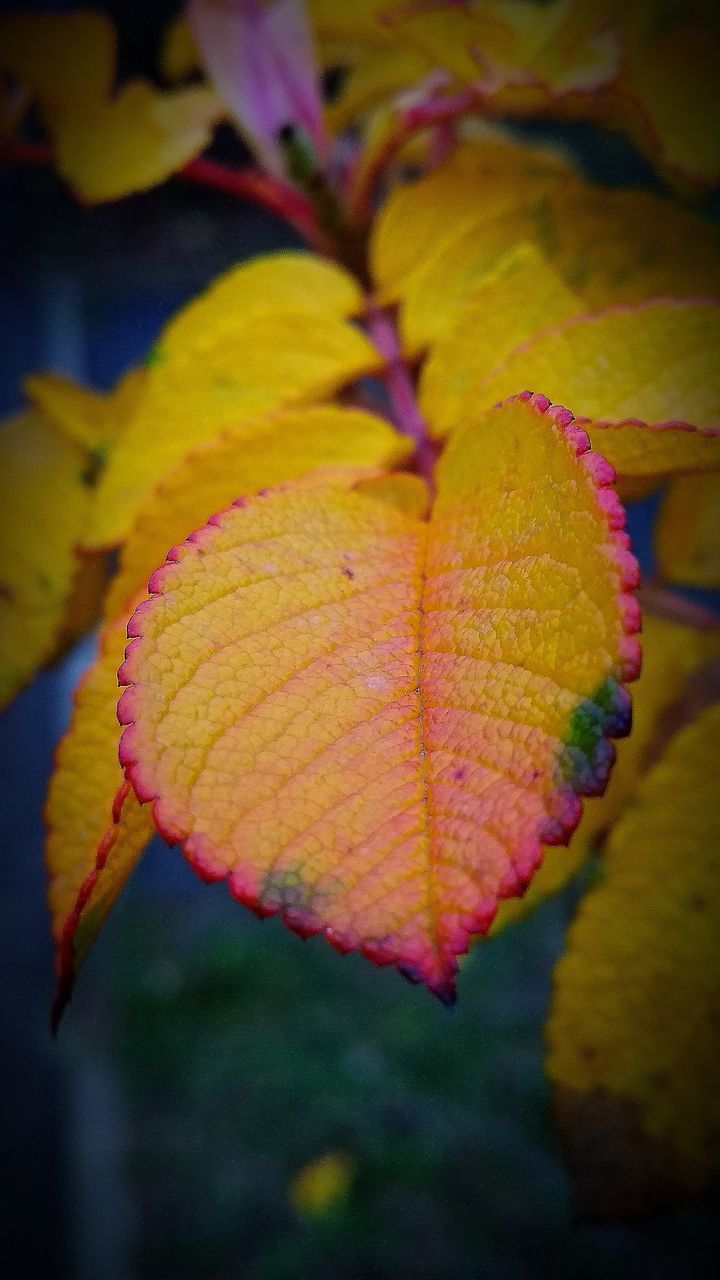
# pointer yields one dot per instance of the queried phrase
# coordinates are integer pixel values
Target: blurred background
(225, 1100)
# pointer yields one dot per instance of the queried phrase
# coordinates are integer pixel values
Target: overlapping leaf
(230, 358)
(647, 378)
(433, 241)
(92, 419)
(489, 326)
(633, 1031)
(369, 721)
(106, 144)
(96, 831)
(287, 446)
(44, 502)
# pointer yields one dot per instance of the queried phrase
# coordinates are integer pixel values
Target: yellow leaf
(284, 281)
(320, 1185)
(91, 419)
(178, 54)
(90, 850)
(687, 533)
(210, 479)
(671, 652)
(435, 239)
(195, 391)
(62, 58)
(134, 140)
(44, 501)
(74, 409)
(419, 217)
(501, 43)
(634, 1018)
(674, 80)
(377, 78)
(503, 310)
(370, 721)
(347, 29)
(407, 492)
(648, 377)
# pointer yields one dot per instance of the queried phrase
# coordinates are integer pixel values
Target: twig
(397, 379)
(246, 184)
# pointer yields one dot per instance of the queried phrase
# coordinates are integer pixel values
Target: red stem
(437, 111)
(246, 184)
(277, 197)
(397, 379)
(666, 603)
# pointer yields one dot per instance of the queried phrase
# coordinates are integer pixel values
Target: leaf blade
(328, 616)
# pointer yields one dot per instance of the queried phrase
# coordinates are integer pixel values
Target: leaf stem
(277, 197)
(396, 376)
(666, 603)
(423, 115)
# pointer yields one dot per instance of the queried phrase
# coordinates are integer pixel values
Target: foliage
(386, 651)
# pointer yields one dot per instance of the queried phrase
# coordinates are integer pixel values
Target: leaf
(434, 241)
(674, 81)
(417, 218)
(209, 479)
(288, 280)
(93, 843)
(472, 347)
(687, 532)
(319, 1186)
(378, 77)
(106, 146)
(133, 141)
(90, 418)
(199, 388)
(44, 502)
(369, 721)
(499, 44)
(178, 52)
(647, 377)
(633, 1031)
(671, 653)
(81, 74)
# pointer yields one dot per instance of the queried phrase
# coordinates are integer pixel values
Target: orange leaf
(370, 722)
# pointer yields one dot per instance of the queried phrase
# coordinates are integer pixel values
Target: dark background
(208, 1057)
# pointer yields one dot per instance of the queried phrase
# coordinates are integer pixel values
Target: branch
(397, 379)
(436, 111)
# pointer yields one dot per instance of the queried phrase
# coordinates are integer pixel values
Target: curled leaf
(371, 722)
